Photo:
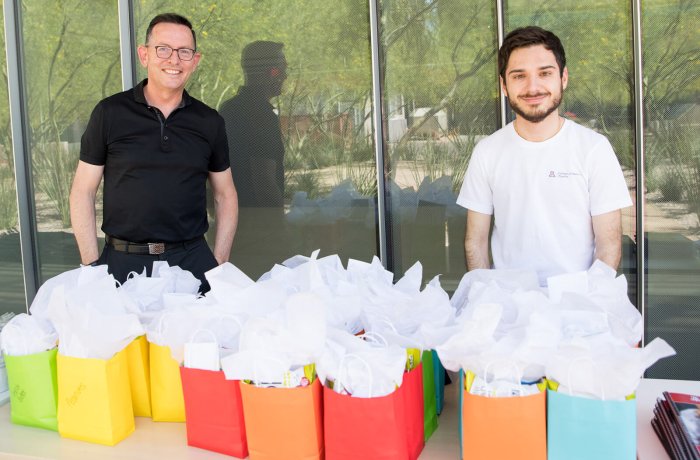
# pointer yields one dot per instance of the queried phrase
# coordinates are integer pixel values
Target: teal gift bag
(583, 429)
(439, 382)
(430, 420)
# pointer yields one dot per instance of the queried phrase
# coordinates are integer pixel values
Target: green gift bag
(33, 389)
(430, 419)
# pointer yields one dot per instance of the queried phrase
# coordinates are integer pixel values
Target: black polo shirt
(156, 169)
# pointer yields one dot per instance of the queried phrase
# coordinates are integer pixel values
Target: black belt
(146, 248)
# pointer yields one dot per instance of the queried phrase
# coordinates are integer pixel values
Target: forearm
(607, 231)
(226, 223)
(82, 214)
(609, 252)
(476, 241)
(477, 253)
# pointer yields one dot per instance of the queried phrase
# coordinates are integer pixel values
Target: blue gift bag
(583, 429)
(439, 382)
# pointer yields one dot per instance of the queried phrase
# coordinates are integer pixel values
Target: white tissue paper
(606, 369)
(26, 335)
(288, 338)
(69, 280)
(88, 327)
(360, 368)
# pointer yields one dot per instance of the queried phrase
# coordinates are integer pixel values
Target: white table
(168, 440)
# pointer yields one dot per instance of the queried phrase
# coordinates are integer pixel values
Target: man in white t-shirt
(553, 187)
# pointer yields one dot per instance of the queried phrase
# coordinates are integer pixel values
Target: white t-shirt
(542, 195)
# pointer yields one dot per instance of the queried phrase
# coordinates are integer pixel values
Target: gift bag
(284, 423)
(411, 391)
(580, 428)
(503, 427)
(369, 428)
(94, 399)
(139, 376)
(430, 422)
(167, 401)
(33, 389)
(214, 412)
(439, 370)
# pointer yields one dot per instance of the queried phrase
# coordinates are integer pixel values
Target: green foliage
(8, 200)
(54, 168)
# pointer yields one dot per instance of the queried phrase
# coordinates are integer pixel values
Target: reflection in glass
(69, 67)
(324, 110)
(672, 169)
(11, 276)
(441, 98)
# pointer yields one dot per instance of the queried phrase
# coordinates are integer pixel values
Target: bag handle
(209, 331)
(255, 368)
(363, 361)
(568, 375)
(373, 336)
(518, 374)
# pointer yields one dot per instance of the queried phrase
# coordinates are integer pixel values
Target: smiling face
(533, 83)
(171, 73)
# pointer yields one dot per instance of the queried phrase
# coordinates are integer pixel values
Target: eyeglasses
(164, 52)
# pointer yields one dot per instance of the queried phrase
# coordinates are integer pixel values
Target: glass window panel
(11, 276)
(441, 97)
(672, 169)
(597, 40)
(315, 187)
(71, 61)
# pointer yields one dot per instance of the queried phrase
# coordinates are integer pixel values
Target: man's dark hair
(170, 18)
(524, 37)
(259, 56)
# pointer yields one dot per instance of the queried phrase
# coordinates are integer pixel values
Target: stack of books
(677, 424)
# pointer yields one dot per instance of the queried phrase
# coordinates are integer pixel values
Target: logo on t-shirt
(562, 175)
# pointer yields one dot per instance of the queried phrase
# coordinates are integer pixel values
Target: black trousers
(195, 257)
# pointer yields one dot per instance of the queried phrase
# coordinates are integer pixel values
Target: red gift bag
(411, 392)
(214, 412)
(364, 428)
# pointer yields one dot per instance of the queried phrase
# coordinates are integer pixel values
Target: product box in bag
(94, 399)
(33, 389)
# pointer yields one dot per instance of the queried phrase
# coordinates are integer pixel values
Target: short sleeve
(219, 160)
(476, 193)
(93, 144)
(606, 183)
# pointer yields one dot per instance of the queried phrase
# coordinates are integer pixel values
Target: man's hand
(226, 203)
(476, 241)
(82, 209)
(607, 231)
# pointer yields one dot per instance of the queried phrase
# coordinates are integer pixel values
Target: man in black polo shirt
(155, 146)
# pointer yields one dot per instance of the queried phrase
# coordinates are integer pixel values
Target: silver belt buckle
(156, 248)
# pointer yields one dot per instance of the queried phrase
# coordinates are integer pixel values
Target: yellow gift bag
(94, 399)
(167, 401)
(139, 376)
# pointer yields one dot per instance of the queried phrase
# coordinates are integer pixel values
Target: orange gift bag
(504, 427)
(284, 423)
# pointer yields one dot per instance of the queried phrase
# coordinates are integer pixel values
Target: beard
(536, 115)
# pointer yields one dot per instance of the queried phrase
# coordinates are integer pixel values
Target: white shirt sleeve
(476, 193)
(606, 182)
